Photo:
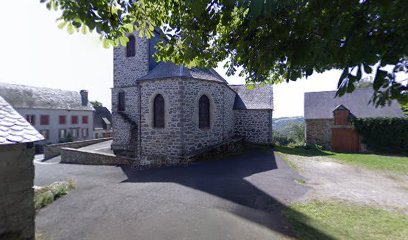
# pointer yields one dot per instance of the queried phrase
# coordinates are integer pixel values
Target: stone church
(165, 113)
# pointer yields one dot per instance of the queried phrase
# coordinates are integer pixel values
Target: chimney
(84, 97)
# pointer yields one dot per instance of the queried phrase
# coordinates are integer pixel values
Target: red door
(345, 140)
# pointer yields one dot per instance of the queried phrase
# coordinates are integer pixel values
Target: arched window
(204, 112)
(121, 101)
(158, 109)
(131, 47)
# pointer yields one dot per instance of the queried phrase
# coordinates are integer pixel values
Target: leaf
(84, 29)
(367, 69)
(123, 40)
(379, 79)
(128, 27)
(106, 43)
(343, 75)
(70, 28)
(62, 25)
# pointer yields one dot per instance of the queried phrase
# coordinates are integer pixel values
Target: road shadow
(225, 178)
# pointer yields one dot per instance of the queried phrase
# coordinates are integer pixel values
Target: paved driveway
(238, 197)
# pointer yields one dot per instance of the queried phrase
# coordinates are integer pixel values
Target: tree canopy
(271, 40)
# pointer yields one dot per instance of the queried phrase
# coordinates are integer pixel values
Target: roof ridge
(36, 87)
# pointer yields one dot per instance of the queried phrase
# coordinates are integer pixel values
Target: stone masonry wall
(127, 69)
(254, 125)
(318, 131)
(221, 114)
(124, 137)
(161, 144)
(76, 156)
(16, 192)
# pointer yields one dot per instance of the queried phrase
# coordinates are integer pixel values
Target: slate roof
(320, 105)
(21, 96)
(169, 70)
(102, 115)
(14, 128)
(257, 98)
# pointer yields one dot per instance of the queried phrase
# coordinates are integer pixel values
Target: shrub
(388, 135)
(46, 195)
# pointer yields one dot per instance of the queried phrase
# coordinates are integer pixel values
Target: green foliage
(46, 195)
(67, 138)
(293, 133)
(96, 103)
(273, 41)
(344, 220)
(404, 108)
(388, 135)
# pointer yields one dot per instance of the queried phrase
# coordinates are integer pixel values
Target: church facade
(162, 112)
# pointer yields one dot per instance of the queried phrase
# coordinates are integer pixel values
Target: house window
(131, 47)
(74, 120)
(204, 112)
(158, 109)
(121, 101)
(74, 132)
(31, 119)
(62, 133)
(45, 133)
(44, 120)
(62, 119)
(85, 119)
(84, 132)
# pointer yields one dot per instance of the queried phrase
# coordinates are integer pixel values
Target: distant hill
(281, 124)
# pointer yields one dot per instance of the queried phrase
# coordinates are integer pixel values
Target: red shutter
(74, 119)
(44, 120)
(85, 119)
(62, 119)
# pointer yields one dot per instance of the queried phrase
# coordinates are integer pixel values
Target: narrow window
(158, 111)
(62, 119)
(74, 120)
(84, 119)
(44, 120)
(204, 112)
(31, 119)
(84, 132)
(121, 101)
(131, 47)
(62, 134)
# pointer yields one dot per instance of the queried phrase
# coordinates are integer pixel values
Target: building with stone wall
(163, 112)
(55, 113)
(319, 116)
(16, 174)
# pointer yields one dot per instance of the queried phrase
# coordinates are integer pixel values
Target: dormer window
(131, 46)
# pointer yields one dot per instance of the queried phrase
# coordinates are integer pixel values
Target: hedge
(388, 135)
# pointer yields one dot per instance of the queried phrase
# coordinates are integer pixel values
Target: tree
(96, 103)
(273, 41)
(404, 108)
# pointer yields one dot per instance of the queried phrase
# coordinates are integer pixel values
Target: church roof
(170, 70)
(257, 98)
(21, 96)
(320, 105)
(14, 128)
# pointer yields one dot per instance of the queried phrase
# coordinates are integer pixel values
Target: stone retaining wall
(75, 156)
(16, 192)
(54, 150)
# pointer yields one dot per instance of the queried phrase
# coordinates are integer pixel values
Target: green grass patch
(340, 220)
(48, 194)
(396, 164)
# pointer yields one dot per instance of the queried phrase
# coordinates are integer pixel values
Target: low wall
(54, 150)
(75, 156)
(16, 191)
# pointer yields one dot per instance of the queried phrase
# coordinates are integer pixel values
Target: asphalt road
(238, 197)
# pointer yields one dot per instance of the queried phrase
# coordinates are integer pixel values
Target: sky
(34, 51)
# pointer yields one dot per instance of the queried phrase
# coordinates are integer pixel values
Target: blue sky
(33, 51)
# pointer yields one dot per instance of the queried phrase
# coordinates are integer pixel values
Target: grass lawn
(371, 161)
(340, 220)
